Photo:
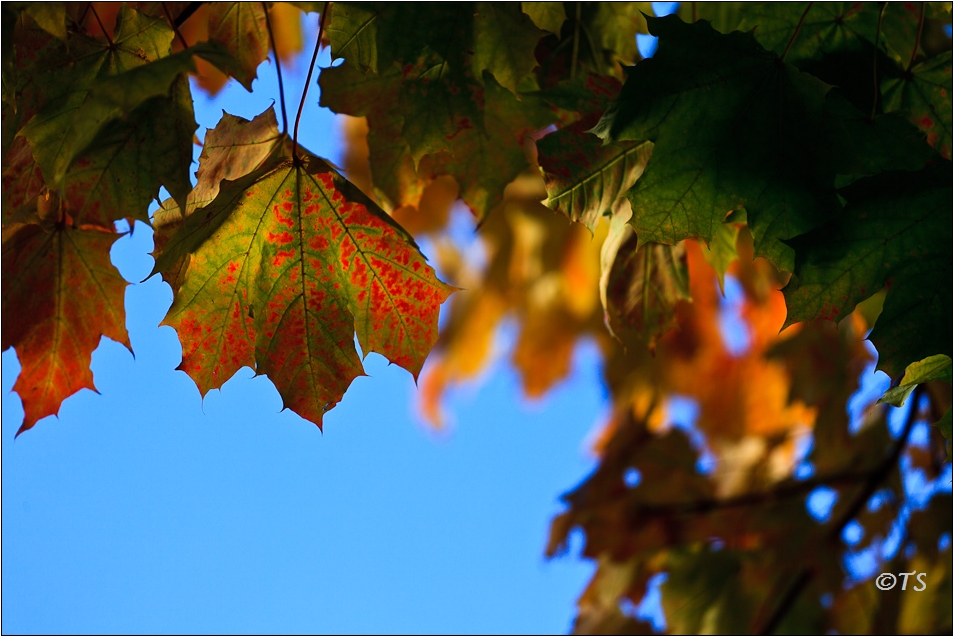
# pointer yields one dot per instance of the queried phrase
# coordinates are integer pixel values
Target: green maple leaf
(923, 94)
(66, 73)
(895, 232)
(730, 125)
(241, 28)
(734, 127)
(287, 263)
(119, 173)
(937, 367)
(60, 294)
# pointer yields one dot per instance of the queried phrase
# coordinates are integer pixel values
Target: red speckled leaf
(287, 264)
(240, 26)
(60, 294)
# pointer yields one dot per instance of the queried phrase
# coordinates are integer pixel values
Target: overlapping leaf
(446, 100)
(240, 26)
(60, 294)
(895, 233)
(729, 123)
(287, 264)
(734, 127)
(584, 178)
(924, 95)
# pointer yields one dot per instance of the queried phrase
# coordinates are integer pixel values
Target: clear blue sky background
(147, 510)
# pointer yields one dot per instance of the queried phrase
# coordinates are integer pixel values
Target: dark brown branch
(175, 28)
(798, 27)
(191, 8)
(917, 40)
(278, 69)
(311, 69)
(100, 22)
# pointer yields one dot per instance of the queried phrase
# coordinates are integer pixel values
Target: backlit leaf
(923, 94)
(936, 367)
(289, 262)
(60, 294)
(240, 26)
(584, 177)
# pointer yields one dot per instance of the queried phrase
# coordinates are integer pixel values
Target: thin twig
(311, 68)
(874, 62)
(694, 14)
(917, 40)
(798, 28)
(278, 69)
(102, 28)
(165, 9)
(191, 8)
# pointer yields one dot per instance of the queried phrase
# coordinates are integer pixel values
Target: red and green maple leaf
(287, 264)
(60, 294)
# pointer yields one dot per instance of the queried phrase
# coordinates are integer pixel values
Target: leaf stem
(694, 13)
(278, 69)
(798, 27)
(311, 68)
(101, 26)
(175, 27)
(874, 62)
(917, 40)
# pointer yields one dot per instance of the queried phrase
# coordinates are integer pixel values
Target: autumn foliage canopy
(794, 157)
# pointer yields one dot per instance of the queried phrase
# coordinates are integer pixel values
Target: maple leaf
(923, 94)
(740, 150)
(60, 294)
(584, 177)
(640, 286)
(548, 16)
(287, 263)
(734, 127)
(895, 233)
(66, 73)
(454, 117)
(241, 27)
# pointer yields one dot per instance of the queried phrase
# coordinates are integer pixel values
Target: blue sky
(146, 509)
